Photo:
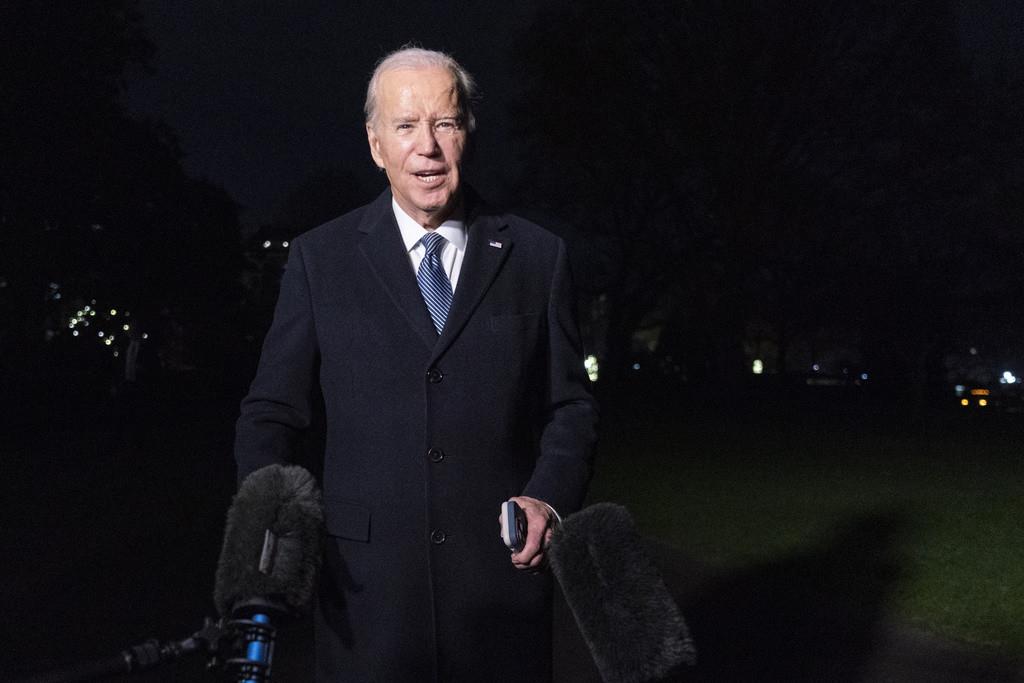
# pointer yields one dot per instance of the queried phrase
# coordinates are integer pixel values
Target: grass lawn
(939, 509)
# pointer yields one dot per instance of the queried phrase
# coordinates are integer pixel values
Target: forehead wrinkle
(405, 89)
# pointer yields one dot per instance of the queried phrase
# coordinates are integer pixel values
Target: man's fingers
(536, 563)
(538, 533)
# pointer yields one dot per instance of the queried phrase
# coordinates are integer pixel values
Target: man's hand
(539, 524)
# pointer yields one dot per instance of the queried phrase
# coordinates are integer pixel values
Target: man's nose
(426, 140)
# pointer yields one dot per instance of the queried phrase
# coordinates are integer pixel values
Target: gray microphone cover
(627, 617)
(273, 540)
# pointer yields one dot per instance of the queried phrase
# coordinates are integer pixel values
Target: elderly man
(441, 335)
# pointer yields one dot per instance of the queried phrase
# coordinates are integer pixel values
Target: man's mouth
(429, 177)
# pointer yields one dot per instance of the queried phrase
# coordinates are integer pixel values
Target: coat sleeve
(569, 432)
(278, 406)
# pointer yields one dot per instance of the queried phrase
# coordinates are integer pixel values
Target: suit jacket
(425, 436)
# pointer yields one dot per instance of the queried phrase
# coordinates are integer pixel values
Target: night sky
(263, 94)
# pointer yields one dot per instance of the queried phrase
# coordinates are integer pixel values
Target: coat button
(434, 375)
(437, 537)
(435, 455)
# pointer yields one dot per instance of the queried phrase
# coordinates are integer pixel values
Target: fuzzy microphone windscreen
(628, 619)
(273, 541)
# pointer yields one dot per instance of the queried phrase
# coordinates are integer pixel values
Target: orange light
(979, 392)
(964, 402)
(982, 402)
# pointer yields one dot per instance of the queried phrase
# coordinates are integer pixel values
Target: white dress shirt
(453, 230)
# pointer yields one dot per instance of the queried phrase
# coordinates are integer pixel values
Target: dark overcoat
(426, 435)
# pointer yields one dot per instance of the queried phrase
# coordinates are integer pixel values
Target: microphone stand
(218, 640)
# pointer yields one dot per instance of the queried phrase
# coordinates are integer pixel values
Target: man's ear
(371, 137)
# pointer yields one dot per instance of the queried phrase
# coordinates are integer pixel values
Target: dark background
(829, 192)
(823, 188)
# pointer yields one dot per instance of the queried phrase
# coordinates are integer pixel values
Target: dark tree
(92, 199)
(794, 165)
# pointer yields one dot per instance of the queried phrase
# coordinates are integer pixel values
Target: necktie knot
(433, 243)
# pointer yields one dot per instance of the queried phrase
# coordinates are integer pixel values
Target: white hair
(418, 58)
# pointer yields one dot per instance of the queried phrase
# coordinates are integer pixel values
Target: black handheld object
(629, 620)
(269, 561)
(513, 526)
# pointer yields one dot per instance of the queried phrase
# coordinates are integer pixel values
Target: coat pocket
(509, 323)
(346, 519)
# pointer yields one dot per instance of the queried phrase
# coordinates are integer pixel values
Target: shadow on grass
(812, 616)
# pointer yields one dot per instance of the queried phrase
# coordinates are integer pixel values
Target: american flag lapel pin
(495, 244)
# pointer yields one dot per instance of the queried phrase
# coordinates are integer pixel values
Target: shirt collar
(453, 229)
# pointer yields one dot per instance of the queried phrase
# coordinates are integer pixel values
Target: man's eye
(404, 126)
(447, 125)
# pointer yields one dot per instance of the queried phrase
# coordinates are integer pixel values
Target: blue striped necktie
(434, 283)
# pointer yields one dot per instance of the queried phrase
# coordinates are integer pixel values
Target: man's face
(418, 138)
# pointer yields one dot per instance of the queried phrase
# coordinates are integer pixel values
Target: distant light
(758, 366)
(116, 353)
(815, 367)
(108, 341)
(86, 309)
(959, 389)
(983, 402)
(125, 328)
(974, 351)
(636, 366)
(266, 244)
(99, 334)
(93, 312)
(145, 336)
(964, 402)
(74, 333)
(1008, 378)
(864, 376)
(590, 363)
(979, 392)
(113, 311)
(285, 244)
(57, 295)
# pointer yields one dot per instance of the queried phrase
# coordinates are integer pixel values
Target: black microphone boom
(135, 659)
(267, 570)
(268, 564)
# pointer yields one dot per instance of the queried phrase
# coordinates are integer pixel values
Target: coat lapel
(385, 251)
(488, 246)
